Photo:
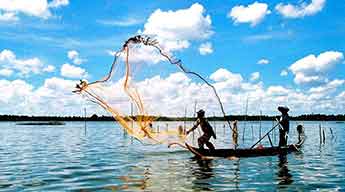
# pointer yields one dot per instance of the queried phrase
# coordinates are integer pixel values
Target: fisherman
(285, 125)
(206, 129)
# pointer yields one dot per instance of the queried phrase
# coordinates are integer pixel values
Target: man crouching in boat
(206, 128)
(285, 125)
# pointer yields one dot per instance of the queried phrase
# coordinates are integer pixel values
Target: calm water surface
(102, 158)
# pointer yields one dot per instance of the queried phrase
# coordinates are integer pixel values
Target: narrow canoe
(255, 152)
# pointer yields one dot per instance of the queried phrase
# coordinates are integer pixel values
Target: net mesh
(126, 96)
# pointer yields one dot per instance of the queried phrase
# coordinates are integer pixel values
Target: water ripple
(103, 159)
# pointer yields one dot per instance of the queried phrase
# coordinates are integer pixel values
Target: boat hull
(269, 151)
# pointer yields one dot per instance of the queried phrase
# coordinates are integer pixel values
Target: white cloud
(283, 73)
(13, 90)
(54, 97)
(175, 29)
(6, 72)
(253, 13)
(254, 76)
(277, 90)
(224, 75)
(58, 3)
(71, 71)
(36, 8)
(312, 69)
(329, 87)
(170, 95)
(263, 62)
(25, 67)
(141, 54)
(49, 68)
(302, 10)
(8, 16)
(225, 79)
(74, 56)
(205, 48)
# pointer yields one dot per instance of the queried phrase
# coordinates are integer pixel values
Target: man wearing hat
(206, 129)
(285, 125)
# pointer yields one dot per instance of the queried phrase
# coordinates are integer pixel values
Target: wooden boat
(255, 152)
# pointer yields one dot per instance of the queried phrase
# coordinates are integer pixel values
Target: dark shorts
(204, 138)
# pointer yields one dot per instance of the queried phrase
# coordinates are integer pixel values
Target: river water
(102, 158)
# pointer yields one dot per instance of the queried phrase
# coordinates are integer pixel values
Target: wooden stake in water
(252, 132)
(320, 134)
(260, 124)
(185, 119)
(245, 120)
(330, 129)
(324, 137)
(214, 123)
(85, 120)
(132, 115)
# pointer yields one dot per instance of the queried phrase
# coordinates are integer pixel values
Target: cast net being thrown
(126, 82)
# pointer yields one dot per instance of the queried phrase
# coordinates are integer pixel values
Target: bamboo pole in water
(132, 123)
(85, 119)
(330, 129)
(273, 133)
(245, 120)
(185, 120)
(214, 123)
(252, 132)
(260, 125)
(320, 134)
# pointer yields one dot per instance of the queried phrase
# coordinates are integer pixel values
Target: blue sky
(301, 44)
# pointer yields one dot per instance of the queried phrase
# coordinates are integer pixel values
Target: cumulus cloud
(49, 68)
(312, 69)
(13, 89)
(6, 72)
(25, 67)
(254, 76)
(141, 54)
(36, 8)
(224, 75)
(175, 29)
(263, 62)
(58, 3)
(54, 97)
(301, 10)
(8, 16)
(205, 48)
(74, 56)
(170, 95)
(71, 71)
(253, 13)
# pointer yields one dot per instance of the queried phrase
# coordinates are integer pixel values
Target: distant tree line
(307, 117)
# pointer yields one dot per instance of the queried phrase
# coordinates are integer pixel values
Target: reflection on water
(283, 176)
(102, 158)
(202, 173)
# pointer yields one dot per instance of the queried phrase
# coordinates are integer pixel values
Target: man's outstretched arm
(194, 127)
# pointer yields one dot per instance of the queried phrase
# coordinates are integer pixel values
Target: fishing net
(126, 92)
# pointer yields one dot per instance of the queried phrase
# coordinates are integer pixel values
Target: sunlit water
(102, 158)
